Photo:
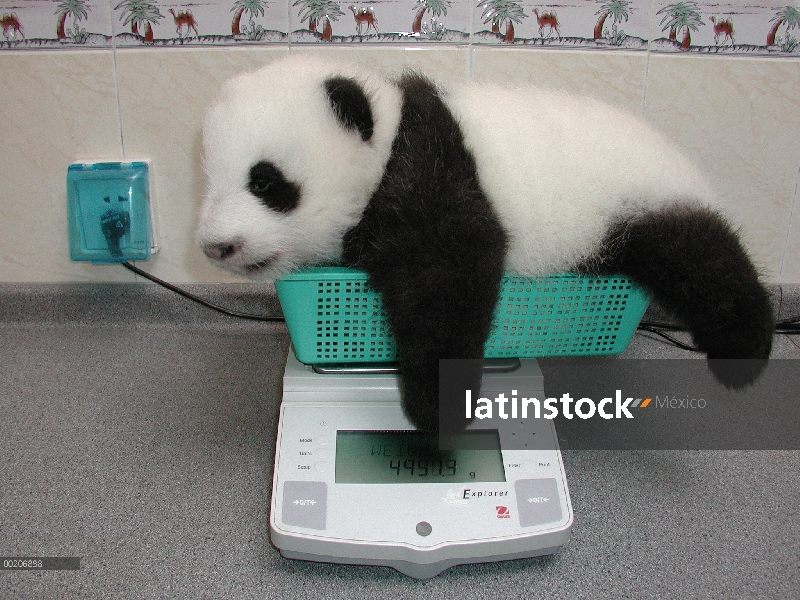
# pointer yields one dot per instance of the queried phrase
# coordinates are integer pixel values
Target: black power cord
(206, 303)
(116, 223)
(789, 326)
(657, 329)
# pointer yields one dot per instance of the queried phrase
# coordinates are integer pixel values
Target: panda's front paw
(436, 405)
(422, 412)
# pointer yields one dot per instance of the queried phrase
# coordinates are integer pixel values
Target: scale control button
(305, 504)
(532, 465)
(322, 453)
(537, 501)
(424, 528)
(321, 466)
(322, 440)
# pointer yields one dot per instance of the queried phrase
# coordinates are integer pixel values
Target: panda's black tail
(693, 263)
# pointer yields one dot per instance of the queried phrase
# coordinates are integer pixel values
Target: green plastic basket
(334, 317)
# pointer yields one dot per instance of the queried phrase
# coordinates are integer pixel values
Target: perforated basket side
(333, 316)
(351, 325)
(565, 315)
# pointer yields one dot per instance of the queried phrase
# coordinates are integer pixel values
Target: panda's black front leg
(434, 248)
(438, 311)
(693, 263)
(439, 278)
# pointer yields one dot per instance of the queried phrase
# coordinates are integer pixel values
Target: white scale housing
(439, 514)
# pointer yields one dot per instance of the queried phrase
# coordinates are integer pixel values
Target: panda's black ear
(350, 105)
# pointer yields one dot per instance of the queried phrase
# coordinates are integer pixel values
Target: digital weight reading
(402, 457)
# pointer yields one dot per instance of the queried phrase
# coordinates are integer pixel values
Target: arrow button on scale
(305, 504)
(537, 501)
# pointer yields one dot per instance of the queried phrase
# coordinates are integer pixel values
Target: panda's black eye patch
(268, 184)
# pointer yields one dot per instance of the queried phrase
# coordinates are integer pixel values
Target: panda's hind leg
(694, 265)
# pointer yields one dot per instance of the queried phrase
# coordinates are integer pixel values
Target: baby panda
(436, 191)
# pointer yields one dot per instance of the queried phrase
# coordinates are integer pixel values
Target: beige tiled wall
(738, 117)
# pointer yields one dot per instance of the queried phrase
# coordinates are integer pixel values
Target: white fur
(281, 114)
(559, 170)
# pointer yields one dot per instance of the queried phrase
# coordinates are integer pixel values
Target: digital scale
(354, 483)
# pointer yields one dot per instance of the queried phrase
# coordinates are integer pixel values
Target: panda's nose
(220, 251)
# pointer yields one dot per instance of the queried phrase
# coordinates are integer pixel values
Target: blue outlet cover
(108, 207)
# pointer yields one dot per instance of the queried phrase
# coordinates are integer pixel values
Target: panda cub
(437, 191)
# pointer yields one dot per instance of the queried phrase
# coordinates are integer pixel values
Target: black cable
(185, 294)
(788, 330)
(667, 326)
(789, 326)
(672, 340)
(792, 324)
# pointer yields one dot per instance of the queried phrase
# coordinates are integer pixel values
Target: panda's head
(292, 153)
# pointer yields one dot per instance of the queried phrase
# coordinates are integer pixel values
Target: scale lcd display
(415, 457)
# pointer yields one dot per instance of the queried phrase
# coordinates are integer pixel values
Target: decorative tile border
(574, 23)
(41, 24)
(770, 27)
(682, 26)
(214, 22)
(734, 28)
(384, 21)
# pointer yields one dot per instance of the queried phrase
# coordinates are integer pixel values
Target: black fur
(693, 263)
(350, 105)
(434, 248)
(268, 184)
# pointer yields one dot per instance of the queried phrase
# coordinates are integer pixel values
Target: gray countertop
(137, 432)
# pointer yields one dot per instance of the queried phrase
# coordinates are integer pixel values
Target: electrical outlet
(110, 212)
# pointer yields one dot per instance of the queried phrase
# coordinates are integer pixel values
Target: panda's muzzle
(225, 252)
(221, 252)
